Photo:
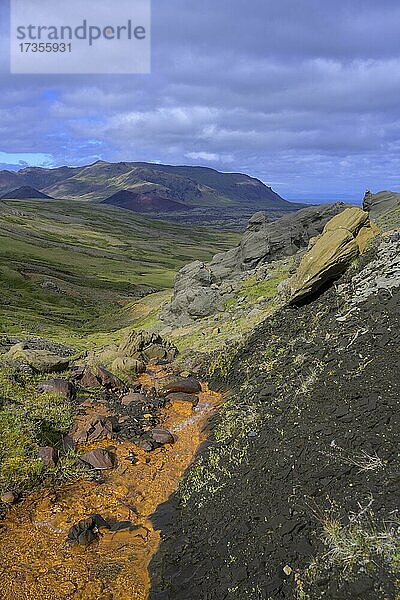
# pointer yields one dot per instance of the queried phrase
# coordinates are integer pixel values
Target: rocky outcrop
(41, 361)
(342, 240)
(135, 351)
(380, 203)
(202, 289)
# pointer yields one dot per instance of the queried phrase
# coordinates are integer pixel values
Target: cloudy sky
(304, 94)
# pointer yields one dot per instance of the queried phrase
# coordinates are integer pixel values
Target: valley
(193, 413)
(66, 273)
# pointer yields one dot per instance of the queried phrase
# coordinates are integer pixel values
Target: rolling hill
(23, 192)
(69, 273)
(144, 202)
(192, 186)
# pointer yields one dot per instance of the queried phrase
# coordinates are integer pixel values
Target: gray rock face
(201, 289)
(380, 203)
(382, 273)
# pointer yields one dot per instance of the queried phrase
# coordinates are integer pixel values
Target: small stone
(162, 436)
(9, 498)
(100, 458)
(287, 570)
(132, 398)
(49, 456)
(132, 458)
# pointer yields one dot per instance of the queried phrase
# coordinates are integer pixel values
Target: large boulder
(42, 361)
(329, 254)
(139, 348)
(147, 346)
(202, 289)
(171, 384)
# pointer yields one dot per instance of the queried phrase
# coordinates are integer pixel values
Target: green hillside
(68, 273)
(194, 186)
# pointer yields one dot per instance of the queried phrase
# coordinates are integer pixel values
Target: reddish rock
(162, 436)
(171, 384)
(62, 387)
(97, 428)
(89, 379)
(100, 458)
(49, 456)
(132, 398)
(107, 379)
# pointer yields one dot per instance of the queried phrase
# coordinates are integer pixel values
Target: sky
(303, 94)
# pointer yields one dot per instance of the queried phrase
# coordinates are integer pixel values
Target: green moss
(221, 364)
(27, 420)
(253, 290)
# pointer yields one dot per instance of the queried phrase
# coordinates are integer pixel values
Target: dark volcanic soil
(320, 390)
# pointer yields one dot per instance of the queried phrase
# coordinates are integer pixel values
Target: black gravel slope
(325, 395)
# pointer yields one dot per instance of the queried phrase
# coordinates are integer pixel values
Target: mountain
(193, 186)
(144, 202)
(24, 192)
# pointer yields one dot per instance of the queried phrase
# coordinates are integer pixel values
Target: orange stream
(35, 563)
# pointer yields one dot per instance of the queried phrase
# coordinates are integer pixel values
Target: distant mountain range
(146, 187)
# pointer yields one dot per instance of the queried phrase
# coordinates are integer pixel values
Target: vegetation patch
(28, 420)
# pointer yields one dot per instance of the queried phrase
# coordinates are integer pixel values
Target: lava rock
(97, 428)
(86, 531)
(146, 444)
(108, 380)
(88, 379)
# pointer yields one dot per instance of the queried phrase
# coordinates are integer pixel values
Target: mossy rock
(41, 361)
